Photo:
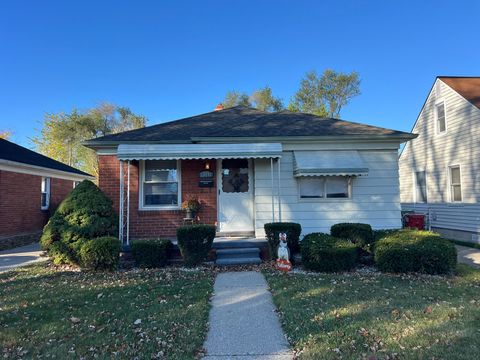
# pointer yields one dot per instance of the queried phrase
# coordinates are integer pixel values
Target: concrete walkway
(10, 259)
(243, 321)
(469, 256)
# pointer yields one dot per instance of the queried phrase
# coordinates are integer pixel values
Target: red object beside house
(31, 187)
(416, 221)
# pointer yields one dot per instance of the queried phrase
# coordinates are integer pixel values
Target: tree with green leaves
(62, 134)
(261, 99)
(264, 100)
(236, 98)
(325, 95)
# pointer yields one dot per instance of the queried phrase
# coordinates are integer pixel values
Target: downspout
(279, 194)
(128, 203)
(273, 193)
(121, 200)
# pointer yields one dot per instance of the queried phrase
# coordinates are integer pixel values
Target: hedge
(100, 254)
(150, 253)
(357, 233)
(85, 214)
(411, 250)
(322, 252)
(195, 241)
(293, 231)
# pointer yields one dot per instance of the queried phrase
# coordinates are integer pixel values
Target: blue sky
(173, 59)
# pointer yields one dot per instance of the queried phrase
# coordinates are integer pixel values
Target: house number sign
(205, 178)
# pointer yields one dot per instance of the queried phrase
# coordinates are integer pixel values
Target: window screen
(455, 184)
(160, 185)
(421, 186)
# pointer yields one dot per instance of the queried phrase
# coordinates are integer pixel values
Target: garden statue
(283, 259)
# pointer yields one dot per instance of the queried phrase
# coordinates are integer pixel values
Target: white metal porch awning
(198, 151)
(329, 163)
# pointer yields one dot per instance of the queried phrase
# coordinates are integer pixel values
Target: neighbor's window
(160, 183)
(440, 115)
(455, 184)
(45, 193)
(319, 187)
(420, 187)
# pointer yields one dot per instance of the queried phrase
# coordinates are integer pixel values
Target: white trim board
(13, 166)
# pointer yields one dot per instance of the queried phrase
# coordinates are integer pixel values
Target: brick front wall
(20, 202)
(158, 223)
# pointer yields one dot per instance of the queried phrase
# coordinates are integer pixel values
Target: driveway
(469, 256)
(10, 259)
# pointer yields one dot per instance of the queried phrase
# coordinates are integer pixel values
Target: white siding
(434, 153)
(375, 198)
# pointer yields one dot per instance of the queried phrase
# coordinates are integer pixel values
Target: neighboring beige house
(440, 169)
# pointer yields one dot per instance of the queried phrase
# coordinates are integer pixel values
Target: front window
(440, 115)
(320, 187)
(45, 202)
(420, 187)
(455, 184)
(160, 183)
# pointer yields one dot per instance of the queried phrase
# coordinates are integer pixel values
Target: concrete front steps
(238, 256)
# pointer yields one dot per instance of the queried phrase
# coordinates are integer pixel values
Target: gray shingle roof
(13, 152)
(245, 122)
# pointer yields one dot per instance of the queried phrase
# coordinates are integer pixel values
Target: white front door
(235, 195)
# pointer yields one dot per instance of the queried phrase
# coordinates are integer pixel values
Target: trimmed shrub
(322, 252)
(195, 241)
(293, 231)
(359, 234)
(86, 213)
(415, 251)
(100, 254)
(150, 253)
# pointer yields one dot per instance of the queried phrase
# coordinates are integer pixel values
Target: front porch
(231, 250)
(155, 179)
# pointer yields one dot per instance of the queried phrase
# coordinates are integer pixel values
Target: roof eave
(391, 137)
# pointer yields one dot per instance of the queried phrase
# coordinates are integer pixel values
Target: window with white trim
(160, 184)
(45, 202)
(455, 184)
(321, 187)
(440, 117)
(421, 187)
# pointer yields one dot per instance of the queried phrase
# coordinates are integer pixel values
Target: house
(249, 167)
(440, 170)
(31, 186)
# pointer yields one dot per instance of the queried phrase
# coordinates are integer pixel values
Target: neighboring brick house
(31, 186)
(249, 167)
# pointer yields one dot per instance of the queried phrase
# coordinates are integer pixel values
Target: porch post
(120, 205)
(128, 203)
(273, 194)
(279, 194)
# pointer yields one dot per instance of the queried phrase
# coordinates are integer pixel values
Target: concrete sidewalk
(469, 256)
(24, 255)
(243, 321)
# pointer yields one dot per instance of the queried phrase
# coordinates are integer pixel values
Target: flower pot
(189, 214)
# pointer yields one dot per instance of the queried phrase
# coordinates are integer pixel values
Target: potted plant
(192, 207)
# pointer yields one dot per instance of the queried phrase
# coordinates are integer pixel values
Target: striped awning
(198, 151)
(329, 163)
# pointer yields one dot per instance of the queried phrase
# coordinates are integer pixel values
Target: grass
(380, 316)
(66, 314)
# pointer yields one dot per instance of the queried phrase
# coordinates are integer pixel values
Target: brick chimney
(219, 107)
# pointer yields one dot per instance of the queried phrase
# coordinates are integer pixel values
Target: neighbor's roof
(16, 153)
(245, 122)
(468, 87)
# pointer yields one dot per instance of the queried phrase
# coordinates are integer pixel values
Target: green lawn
(47, 313)
(379, 316)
